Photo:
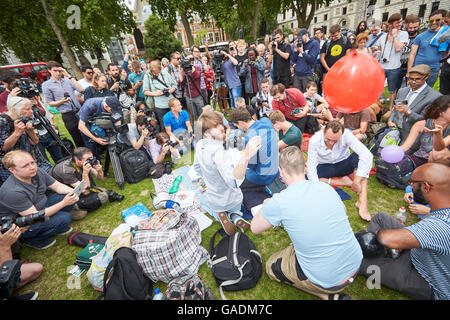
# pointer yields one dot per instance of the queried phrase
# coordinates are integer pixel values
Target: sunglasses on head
(435, 20)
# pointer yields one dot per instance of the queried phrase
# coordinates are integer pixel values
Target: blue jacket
(304, 64)
(260, 66)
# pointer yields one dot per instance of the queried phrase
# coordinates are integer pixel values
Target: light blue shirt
(427, 53)
(313, 215)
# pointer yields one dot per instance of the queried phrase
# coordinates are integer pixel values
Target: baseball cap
(302, 32)
(421, 68)
(113, 103)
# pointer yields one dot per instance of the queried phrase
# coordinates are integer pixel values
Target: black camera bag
(135, 165)
(89, 202)
(235, 262)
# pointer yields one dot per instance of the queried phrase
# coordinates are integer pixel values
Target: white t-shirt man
(388, 52)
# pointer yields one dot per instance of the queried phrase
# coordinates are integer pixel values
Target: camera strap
(292, 107)
(160, 81)
(390, 51)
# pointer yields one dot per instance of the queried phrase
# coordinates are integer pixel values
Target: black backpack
(235, 262)
(394, 175)
(124, 278)
(135, 165)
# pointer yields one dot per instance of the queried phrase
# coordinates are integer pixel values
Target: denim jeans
(236, 209)
(234, 94)
(45, 142)
(40, 232)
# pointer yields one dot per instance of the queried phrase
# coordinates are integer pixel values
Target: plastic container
(400, 216)
(158, 295)
(176, 184)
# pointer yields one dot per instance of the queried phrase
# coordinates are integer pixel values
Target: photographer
(9, 79)
(252, 71)
(59, 92)
(83, 166)
(139, 133)
(280, 53)
(28, 271)
(304, 57)
(174, 70)
(232, 80)
(160, 146)
(17, 133)
(159, 85)
(263, 100)
(98, 89)
(92, 108)
(17, 198)
(117, 83)
(128, 101)
(178, 125)
(192, 76)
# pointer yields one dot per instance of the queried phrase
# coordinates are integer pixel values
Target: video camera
(186, 64)
(7, 222)
(216, 61)
(106, 122)
(28, 88)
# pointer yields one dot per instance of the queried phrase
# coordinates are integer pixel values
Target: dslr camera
(28, 88)
(299, 42)
(385, 59)
(171, 143)
(92, 161)
(28, 220)
(123, 85)
(295, 111)
(166, 92)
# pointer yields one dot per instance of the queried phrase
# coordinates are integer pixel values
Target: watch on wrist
(409, 112)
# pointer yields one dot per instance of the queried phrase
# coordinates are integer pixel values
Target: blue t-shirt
(91, 108)
(230, 73)
(133, 77)
(427, 53)
(262, 169)
(174, 123)
(313, 215)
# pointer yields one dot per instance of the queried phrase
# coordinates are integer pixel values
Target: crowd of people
(270, 94)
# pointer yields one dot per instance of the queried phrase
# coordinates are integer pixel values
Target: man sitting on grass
(329, 157)
(288, 134)
(215, 165)
(178, 125)
(324, 256)
(422, 271)
(23, 193)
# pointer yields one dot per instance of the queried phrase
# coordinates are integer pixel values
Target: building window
(292, 25)
(284, 15)
(403, 13)
(179, 37)
(293, 13)
(385, 16)
(387, 2)
(422, 9)
(217, 36)
(344, 10)
(325, 17)
(434, 6)
(315, 19)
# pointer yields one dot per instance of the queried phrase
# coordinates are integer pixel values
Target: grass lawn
(53, 283)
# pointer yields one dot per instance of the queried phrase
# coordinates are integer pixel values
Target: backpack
(135, 165)
(384, 137)
(394, 175)
(124, 278)
(235, 262)
(188, 287)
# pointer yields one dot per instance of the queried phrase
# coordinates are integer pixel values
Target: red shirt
(3, 99)
(298, 101)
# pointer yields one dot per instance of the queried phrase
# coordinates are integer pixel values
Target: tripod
(189, 103)
(217, 77)
(113, 158)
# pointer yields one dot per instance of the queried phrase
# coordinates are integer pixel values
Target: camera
(168, 165)
(7, 222)
(35, 122)
(171, 143)
(92, 161)
(114, 196)
(104, 125)
(123, 85)
(25, 120)
(299, 42)
(295, 111)
(385, 60)
(166, 92)
(186, 64)
(216, 62)
(28, 88)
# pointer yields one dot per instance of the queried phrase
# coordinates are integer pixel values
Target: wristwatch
(409, 112)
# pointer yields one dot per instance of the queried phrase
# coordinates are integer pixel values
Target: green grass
(52, 284)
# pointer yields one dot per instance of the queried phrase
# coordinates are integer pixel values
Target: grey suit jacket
(418, 107)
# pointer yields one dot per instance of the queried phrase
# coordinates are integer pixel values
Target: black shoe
(114, 196)
(27, 296)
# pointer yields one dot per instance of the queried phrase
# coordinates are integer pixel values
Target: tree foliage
(159, 40)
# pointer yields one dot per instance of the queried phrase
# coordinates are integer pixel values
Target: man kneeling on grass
(324, 256)
(24, 193)
(215, 165)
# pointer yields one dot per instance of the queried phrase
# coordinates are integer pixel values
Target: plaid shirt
(172, 249)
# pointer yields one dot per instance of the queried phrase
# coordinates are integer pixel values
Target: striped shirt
(432, 259)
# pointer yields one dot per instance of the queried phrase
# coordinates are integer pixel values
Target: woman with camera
(17, 133)
(160, 86)
(252, 71)
(160, 146)
(99, 87)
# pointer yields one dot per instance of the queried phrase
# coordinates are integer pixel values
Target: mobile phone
(398, 102)
(79, 188)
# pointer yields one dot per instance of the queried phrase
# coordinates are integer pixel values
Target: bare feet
(363, 212)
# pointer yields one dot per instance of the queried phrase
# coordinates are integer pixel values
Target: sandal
(227, 225)
(341, 296)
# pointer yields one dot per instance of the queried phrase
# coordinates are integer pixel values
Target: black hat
(113, 103)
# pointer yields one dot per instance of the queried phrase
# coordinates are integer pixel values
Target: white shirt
(388, 51)
(412, 95)
(84, 84)
(318, 153)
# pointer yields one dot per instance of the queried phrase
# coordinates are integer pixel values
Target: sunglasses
(90, 72)
(435, 20)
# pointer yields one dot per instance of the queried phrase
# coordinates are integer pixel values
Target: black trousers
(307, 124)
(445, 79)
(398, 274)
(71, 120)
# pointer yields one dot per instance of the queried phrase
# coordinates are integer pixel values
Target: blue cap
(302, 32)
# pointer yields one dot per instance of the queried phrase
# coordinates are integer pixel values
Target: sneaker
(65, 232)
(27, 296)
(43, 245)
(241, 223)
(227, 225)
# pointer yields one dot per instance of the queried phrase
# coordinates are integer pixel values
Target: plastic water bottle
(158, 295)
(400, 216)
(176, 184)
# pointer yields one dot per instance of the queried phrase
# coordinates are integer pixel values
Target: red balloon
(354, 82)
